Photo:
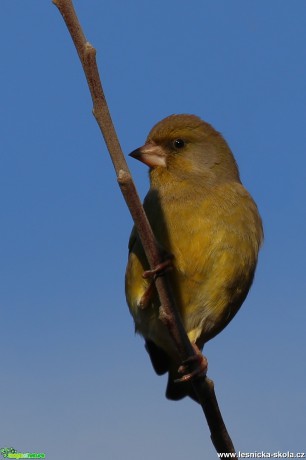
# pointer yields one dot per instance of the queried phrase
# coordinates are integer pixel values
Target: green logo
(10, 452)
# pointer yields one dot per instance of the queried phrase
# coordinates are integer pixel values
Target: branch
(203, 387)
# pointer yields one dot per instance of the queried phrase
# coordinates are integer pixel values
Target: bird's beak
(151, 154)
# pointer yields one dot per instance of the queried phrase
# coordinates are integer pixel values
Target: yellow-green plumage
(199, 212)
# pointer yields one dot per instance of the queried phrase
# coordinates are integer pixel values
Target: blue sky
(75, 381)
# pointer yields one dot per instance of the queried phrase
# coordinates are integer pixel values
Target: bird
(210, 227)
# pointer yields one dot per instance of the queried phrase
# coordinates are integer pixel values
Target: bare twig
(203, 386)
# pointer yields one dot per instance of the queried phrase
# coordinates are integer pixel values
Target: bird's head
(186, 147)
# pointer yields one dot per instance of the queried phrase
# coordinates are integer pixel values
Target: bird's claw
(160, 269)
(193, 367)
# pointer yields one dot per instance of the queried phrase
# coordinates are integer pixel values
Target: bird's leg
(159, 270)
(193, 367)
(145, 299)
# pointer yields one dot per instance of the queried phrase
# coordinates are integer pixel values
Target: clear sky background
(75, 382)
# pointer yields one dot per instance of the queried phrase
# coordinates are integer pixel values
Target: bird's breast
(214, 239)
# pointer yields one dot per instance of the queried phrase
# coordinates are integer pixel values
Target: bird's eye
(178, 143)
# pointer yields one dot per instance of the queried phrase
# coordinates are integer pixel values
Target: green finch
(202, 215)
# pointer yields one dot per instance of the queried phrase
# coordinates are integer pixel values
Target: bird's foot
(193, 367)
(160, 269)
